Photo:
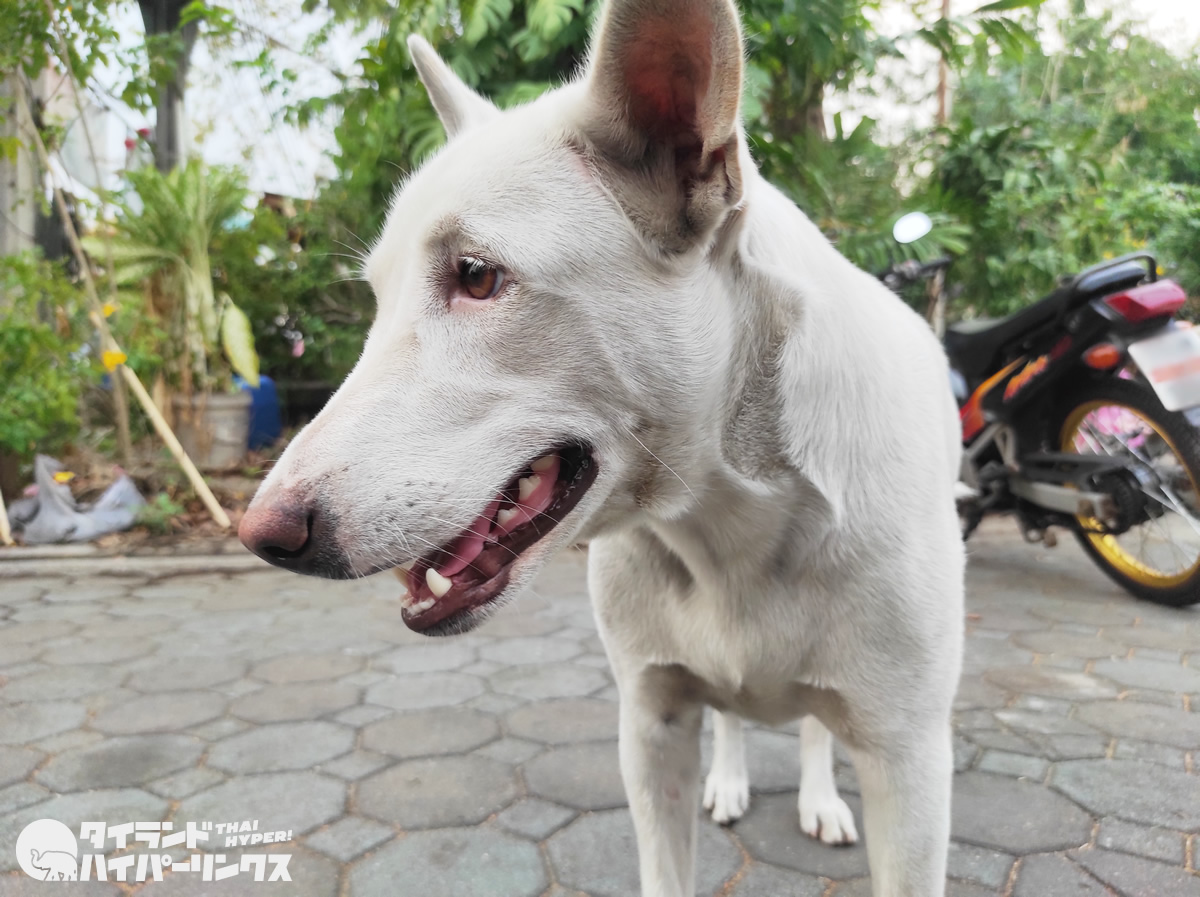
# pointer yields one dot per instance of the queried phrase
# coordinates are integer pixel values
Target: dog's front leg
(660, 765)
(906, 811)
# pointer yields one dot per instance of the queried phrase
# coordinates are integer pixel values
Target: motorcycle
(1075, 414)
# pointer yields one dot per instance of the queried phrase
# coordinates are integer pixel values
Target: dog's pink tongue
(468, 546)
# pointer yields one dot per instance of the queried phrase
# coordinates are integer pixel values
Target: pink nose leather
(276, 531)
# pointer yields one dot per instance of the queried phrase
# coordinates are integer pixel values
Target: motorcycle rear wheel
(1157, 560)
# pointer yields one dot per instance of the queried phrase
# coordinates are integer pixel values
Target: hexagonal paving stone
(16, 763)
(1050, 683)
(281, 746)
(168, 712)
(1015, 816)
(356, 764)
(564, 721)
(551, 680)
(280, 801)
(1087, 612)
(1151, 842)
(586, 776)
(113, 805)
(1047, 874)
(770, 831)
(597, 853)
(428, 732)
(182, 674)
(34, 631)
(763, 880)
(1152, 674)
(306, 667)
(349, 837)
(417, 692)
(1067, 644)
(452, 863)
(1140, 792)
(437, 792)
(1147, 722)
(428, 657)
(24, 886)
(185, 783)
(508, 624)
(515, 651)
(312, 875)
(297, 701)
(22, 723)
(979, 864)
(102, 650)
(1149, 637)
(120, 762)
(60, 683)
(534, 818)
(1133, 875)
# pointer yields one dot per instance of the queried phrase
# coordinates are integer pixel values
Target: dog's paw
(827, 819)
(727, 796)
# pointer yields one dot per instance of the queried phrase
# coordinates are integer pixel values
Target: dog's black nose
(282, 532)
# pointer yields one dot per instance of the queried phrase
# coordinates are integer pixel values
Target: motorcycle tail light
(1150, 300)
(1103, 356)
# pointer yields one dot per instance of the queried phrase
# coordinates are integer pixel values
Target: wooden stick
(168, 436)
(120, 399)
(108, 343)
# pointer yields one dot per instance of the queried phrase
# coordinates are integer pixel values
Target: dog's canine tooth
(437, 583)
(526, 486)
(542, 464)
(505, 515)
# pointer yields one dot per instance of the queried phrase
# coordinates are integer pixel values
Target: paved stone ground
(486, 766)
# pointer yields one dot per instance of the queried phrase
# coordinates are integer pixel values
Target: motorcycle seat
(976, 346)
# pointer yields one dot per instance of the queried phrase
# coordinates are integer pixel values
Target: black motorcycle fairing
(975, 346)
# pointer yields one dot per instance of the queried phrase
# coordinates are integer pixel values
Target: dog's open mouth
(474, 567)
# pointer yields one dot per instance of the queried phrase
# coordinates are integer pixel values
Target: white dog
(597, 321)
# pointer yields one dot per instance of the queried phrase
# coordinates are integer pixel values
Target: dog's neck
(738, 506)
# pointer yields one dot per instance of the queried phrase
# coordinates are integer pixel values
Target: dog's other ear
(664, 84)
(457, 105)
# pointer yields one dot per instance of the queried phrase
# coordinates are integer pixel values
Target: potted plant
(160, 241)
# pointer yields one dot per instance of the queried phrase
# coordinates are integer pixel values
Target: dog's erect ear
(457, 105)
(664, 86)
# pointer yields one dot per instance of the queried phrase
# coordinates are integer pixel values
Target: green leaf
(1006, 5)
(237, 338)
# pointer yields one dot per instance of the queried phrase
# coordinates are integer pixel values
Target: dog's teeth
(542, 464)
(527, 485)
(406, 600)
(423, 606)
(437, 583)
(505, 515)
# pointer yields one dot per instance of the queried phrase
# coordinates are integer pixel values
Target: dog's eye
(478, 279)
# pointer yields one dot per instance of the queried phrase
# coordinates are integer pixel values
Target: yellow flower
(108, 308)
(64, 476)
(112, 358)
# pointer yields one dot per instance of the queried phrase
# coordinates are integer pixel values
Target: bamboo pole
(120, 399)
(107, 343)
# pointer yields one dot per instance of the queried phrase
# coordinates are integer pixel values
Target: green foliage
(158, 515)
(163, 234)
(1061, 159)
(44, 360)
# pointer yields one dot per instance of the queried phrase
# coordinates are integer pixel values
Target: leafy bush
(44, 359)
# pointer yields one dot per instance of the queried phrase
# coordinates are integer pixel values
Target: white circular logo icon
(48, 851)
